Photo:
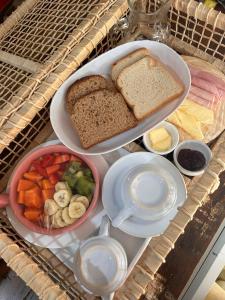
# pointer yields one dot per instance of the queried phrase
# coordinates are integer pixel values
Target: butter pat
(160, 139)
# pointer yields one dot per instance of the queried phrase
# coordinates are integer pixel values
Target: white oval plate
(60, 119)
(112, 205)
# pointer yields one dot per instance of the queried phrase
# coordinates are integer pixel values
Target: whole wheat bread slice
(148, 85)
(101, 115)
(83, 87)
(127, 60)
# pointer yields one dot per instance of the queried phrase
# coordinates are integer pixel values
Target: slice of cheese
(163, 145)
(158, 134)
(190, 125)
(174, 119)
(201, 113)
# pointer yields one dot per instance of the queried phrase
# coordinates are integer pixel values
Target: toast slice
(83, 87)
(101, 115)
(148, 85)
(127, 60)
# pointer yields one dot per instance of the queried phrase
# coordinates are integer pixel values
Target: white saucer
(65, 239)
(133, 225)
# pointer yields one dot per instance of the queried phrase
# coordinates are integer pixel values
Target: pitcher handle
(4, 200)
(104, 227)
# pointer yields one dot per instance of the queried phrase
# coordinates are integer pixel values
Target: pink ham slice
(205, 85)
(207, 76)
(200, 100)
(221, 94)
(209, 97)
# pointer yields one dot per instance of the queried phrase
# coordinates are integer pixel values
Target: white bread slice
(127, 60)
(147, 85)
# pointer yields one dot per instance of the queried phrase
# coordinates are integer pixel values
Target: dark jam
(191, 160)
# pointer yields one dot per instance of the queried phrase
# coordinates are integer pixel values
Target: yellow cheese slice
(158, 134)
(163, 145)
(189, 124)
(201, 113)
(174, 119)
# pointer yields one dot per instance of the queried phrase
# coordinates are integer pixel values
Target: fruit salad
(56, 191)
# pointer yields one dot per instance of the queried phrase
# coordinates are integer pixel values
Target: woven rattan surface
(47, 26)
(196, 30)
(33, 77)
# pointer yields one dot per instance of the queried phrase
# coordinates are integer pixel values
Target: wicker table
(31, 73)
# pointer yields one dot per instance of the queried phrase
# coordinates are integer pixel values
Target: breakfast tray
(31, 73)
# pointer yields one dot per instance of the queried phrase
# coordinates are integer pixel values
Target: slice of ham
(207, 76)
(205, 85)
(200, 100)
(221, 94)
(209, 97)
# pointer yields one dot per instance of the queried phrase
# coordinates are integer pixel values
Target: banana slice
(62, 197)
(57, 220)
(47, 222)
(66, 217)
(53, 221)
(50, 207)
(74, 197)
(61, 185)
(78, 198)
(76, 209)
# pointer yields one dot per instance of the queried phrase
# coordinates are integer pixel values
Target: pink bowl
(23, 166)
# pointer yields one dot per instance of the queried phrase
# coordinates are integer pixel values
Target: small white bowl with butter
(162, 139)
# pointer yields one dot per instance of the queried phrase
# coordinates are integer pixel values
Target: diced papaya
(61, 159)
(46, 184)
(40, 184)
(52, 169)
(48, 194)
(33, 176)
(32, 214)
(33, 198)
(54, 178)
(25, 184)
(21, 197)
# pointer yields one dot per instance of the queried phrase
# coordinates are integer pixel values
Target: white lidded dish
(173, 132)
(193, 145)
